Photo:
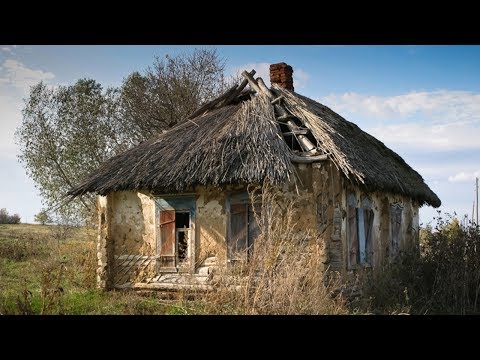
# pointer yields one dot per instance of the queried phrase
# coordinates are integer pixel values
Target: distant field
(52, 270)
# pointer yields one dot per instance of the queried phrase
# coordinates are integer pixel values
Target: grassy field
(51, 270)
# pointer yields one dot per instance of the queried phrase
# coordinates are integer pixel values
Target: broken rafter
(252, 82)
(297, 132)
(309, 159)
(225, 99)
(276, 100)
(238, 90)
(264, 88)
(304, 142)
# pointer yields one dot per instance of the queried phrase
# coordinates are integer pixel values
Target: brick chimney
(281, 74)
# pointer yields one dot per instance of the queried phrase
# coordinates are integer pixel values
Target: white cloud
(262, 70)
(6, 49)
(15, 81)
(21, 77)
(464, 176)
(300, 77)
(10, 118)
(428, 137)
(440, 106)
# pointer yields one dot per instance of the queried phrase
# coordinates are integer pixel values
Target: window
(359, 231)
(182, 230)
(243, 228)
(395, 228)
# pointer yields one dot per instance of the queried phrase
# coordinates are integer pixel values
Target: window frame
(241, 199)
(360, 220)
(395, 225)
(185, 203)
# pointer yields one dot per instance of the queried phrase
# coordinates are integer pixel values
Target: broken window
(395, 228)
(359, 231)
(182, 229)
(243, 227)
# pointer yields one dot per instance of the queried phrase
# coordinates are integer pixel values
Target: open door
(167, 240)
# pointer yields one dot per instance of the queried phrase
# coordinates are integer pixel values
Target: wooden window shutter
(167, 236)
(368, 221)
(352, 236)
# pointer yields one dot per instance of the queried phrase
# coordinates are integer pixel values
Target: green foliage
(66, 133)
(69, 130)
(43, 217)
(442, 278)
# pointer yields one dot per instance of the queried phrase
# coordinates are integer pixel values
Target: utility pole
(473, 211)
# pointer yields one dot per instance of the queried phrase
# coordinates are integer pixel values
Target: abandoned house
(177, 205)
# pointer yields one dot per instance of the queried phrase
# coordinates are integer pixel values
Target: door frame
(177, 203)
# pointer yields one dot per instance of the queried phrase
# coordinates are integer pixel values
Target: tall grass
(284, 273)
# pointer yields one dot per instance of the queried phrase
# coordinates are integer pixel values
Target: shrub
(443, 278)
(6, 218)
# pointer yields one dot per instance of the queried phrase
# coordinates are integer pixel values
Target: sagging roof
(251, 135)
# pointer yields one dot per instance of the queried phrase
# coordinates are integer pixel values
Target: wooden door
(167, 239)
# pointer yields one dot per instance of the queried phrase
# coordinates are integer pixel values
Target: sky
(423, 102)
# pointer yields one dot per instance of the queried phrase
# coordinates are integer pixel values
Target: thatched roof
(239, 140)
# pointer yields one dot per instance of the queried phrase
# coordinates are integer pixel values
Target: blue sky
(421, 101)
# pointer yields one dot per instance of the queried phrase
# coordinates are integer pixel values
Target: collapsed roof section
(250, 134)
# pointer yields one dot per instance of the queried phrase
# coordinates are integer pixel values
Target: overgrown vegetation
(440, 277)
(284, 273)
(43, 274)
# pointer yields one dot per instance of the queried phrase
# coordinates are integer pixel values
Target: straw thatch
(233, 144)
(361, 157)
(239, 141)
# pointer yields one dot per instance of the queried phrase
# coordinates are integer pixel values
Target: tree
(169, 91)
(6, 218)
(65, 134)
(42, 217)
(68, 131)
